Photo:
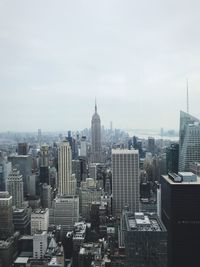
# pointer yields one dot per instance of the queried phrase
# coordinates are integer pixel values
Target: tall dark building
(145, 240)
(96, 136)
(44, 164)
(9, 250)
(151, 145)
(180, 202)
(172, 154)
(22, 220)
(6, 217)
(73, 144)
(22, 149)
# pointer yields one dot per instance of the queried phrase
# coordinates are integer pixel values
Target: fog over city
(134, 57)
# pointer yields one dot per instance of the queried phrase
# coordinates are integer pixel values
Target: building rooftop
(143, 222)
(90, 248)
(5, 195)
(79, 230)
(53, 261)
(4, 244)
(19, 156)
(184, 178)
(40, 211)
(18, 210)
(124, 151)
(21, 260)
(26, 237)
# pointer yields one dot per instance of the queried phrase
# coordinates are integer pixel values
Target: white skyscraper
(125, 180)
(15, 188)
(189, 141)
(66, 180)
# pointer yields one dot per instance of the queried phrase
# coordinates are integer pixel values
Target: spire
(95, 106)
(187, 98)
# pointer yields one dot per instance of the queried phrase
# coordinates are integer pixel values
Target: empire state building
(96, 136)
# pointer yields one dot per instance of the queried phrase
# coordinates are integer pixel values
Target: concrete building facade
(39, 220)
(66, 181)
(15, 188)
(125, 180)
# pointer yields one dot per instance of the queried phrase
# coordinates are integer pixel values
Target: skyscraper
(180, 202)
(151, 145)
(125, 180)
(66, 180)
(5, 169)
(189, 141)
(6, 218)
(44, 156)
(44, 164)
(22, 149)
(83, 148)
(145, 240)
(24, 164)
(172, 158)
(15, 188)
(96, 136)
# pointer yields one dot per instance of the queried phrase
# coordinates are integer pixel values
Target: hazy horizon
(133, 57)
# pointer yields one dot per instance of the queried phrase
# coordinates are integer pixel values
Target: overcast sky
(133, 56)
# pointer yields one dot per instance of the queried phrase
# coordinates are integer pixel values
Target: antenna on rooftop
(187, 98)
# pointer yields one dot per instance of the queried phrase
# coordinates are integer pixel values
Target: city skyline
(133, 57)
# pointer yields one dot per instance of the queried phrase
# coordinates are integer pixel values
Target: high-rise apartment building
(125, 180)
(6, 217)
(180, 202)
(96, 136)
(189, 141)
(15, 188)
(66, 180)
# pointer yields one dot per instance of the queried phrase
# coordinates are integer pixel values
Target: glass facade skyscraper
(189, 141)
(145, 239)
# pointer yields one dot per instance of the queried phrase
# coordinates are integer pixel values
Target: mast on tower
(187, 98)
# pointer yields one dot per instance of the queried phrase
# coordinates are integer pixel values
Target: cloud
(134, 56)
